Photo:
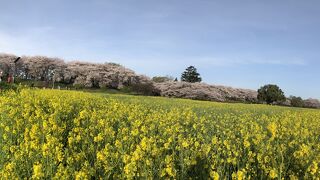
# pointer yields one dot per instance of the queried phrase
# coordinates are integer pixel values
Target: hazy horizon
(243, 44)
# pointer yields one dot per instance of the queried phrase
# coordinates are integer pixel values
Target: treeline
(272, 94)
(76, 73)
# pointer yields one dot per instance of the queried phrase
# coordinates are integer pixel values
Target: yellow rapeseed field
(51, 134)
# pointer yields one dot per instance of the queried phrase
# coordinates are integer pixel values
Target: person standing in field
(10, 78)
(0, 76)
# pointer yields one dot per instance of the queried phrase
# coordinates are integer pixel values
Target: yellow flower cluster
(49, 134)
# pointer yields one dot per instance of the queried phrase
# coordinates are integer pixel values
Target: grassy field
(76, 135)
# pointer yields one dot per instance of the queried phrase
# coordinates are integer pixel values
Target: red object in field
(10, 79)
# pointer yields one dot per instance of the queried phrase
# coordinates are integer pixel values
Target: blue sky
(244, 44)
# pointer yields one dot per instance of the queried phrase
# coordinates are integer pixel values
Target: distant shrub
(147, 89)
(78, 86)
(160, 79)
(286, 102)
(5, 86)
(296, 101)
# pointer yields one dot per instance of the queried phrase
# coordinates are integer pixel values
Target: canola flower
(49, 134)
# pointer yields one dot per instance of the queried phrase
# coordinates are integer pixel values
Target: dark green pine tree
(191, 75)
